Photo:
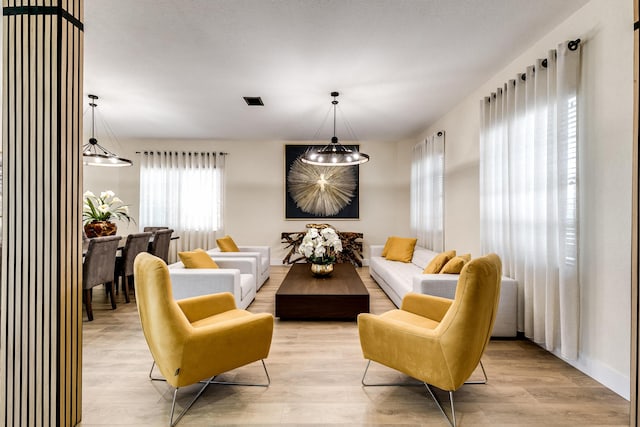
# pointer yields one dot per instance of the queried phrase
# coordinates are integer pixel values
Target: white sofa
(398, 278)
(236, 275)
(262, 254)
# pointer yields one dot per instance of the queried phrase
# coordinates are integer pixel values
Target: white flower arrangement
(320, 246)
(105, 207)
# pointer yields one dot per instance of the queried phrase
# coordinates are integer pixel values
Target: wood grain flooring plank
(316, 367)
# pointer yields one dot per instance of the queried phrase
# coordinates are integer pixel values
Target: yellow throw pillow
(197, 259)
(401, 249)
(387, 245)
(455, 264)
(226, 244)
(438, 262)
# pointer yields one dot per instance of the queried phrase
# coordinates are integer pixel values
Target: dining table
(121, 243)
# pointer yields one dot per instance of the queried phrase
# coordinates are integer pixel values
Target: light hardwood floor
(315, 370)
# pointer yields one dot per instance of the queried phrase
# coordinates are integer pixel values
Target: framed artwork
(319, 192)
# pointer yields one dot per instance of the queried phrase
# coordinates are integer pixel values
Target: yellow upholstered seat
(196, 338)
(437, 340)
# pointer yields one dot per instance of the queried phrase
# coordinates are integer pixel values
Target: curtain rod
(572, 45)
(222, 153)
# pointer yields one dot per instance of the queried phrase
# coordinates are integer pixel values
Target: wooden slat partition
(40, 298)
(635, 236)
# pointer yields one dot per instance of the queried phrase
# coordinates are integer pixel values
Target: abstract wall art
(319, 191)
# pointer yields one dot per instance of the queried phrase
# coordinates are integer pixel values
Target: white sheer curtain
(529, 191)
(183, 191)
(427, 192)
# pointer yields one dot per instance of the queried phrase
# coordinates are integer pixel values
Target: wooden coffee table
(342, 295)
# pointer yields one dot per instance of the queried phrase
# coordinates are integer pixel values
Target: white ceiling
(179, 69)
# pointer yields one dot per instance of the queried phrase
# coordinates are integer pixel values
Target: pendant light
(94, 154)
(334, 154)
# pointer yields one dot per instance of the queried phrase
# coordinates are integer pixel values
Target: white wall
(606, 30)
(254, 207)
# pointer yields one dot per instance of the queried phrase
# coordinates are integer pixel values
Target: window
(183, 191)
(529, 194)
(427, 192)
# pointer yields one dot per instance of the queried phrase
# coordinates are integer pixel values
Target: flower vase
(100, 229)
(321, 270)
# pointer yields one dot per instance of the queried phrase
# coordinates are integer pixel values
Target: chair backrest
(154, 228)
(160, 244)
(100, 261)
(466, 328)
(164, 325)
(136, 243)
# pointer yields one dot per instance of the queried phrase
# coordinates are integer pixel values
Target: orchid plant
(320, 246)
(104, 208)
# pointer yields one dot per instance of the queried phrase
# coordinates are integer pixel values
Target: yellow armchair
(194, 339)
(437, 340)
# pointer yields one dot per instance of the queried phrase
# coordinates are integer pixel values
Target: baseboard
(613, 380)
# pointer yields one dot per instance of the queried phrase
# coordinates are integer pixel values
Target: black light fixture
(334, 154)
(94, 154)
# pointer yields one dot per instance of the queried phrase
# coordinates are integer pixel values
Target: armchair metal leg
(153, 365)
(452, 420)
(211, 380)
(483, 381)
(206, 383)
(248, 384)
(173, 422)
(384, 384)
(484, 373)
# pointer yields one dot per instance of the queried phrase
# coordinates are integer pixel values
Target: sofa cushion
(398, 274)
(438, 262)
(455, 264)
(422, 257)
(401, 249)
(226, 244)
(197, 258)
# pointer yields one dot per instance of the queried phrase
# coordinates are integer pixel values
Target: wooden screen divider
(40, 298)
(635, 236)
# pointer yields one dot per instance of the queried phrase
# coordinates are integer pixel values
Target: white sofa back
(235, 275)
(262, 254)
(396, 279)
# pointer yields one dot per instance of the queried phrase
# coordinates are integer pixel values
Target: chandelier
(94, 154)
(334, 154)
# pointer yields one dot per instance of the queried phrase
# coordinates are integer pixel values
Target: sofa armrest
(442, 285)
(375, 250)
(189, 282)
(245, 265)
(265, 251)
(215, 252)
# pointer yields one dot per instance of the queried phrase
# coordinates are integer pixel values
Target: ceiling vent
(253, 100)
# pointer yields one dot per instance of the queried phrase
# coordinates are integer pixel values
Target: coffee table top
(344, 280)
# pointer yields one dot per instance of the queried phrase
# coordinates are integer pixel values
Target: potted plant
(319, 247)
(97, 213)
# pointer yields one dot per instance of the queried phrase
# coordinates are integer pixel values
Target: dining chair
(136, 243)
(159, 245)
(152, 229)
(98, 268)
